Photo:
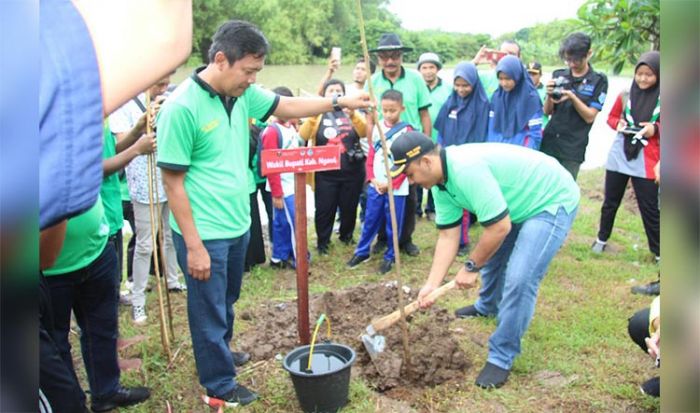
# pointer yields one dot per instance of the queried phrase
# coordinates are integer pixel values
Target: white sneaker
(138, 314)
(129, 285)
(124, 297)
(177, 288)
(598, 246)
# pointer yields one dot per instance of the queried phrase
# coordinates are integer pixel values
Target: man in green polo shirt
(526, 203)
(416, 100)
(203, 153)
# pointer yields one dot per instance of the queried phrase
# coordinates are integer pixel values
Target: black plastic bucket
(324, 388)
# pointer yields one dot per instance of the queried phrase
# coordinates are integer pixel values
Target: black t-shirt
(335, 128)
(566, 134)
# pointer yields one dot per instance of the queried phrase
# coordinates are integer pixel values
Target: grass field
(576, 355)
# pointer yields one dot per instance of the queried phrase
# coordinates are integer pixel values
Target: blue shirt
(70, 115)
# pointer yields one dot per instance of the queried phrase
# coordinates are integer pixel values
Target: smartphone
(495, 55)
(631, 130)
(335, 54)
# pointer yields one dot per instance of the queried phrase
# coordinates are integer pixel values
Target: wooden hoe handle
(391, 319)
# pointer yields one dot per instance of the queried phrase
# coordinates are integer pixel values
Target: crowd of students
(210, 131)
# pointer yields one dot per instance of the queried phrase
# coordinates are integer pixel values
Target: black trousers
(256, 245)
(409, 220)
(336, 193)
(638, 328)
(117, 240)
(647, 193)
(267, 200)
(57, 381)
(128, 208)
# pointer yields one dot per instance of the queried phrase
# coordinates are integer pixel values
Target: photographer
(338, 189)
(635, 152)
(575, 95)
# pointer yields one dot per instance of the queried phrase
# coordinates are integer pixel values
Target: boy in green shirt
(526, 203)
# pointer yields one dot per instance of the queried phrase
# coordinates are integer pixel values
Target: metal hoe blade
(374, 344)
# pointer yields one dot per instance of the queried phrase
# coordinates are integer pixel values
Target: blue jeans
(93, 295)
(210, 310)
(378, 214)
(511, 278)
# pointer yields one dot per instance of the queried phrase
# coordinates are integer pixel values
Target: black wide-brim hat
(390, 42)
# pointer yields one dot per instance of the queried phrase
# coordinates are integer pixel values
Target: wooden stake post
(392, 207)
(166, 327)
(299, 161)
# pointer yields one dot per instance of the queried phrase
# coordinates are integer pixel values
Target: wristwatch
(336, 105)
(471, 266)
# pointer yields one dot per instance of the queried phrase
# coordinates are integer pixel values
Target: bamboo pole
(163, 256)
(392, 205)
(164, 336)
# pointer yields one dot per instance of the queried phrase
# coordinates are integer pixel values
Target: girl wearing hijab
(464, 118)
(516, 108)
(635, 152)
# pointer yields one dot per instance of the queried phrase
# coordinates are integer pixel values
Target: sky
(494, 17)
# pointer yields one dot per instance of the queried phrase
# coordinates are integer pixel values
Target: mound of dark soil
(435, 356)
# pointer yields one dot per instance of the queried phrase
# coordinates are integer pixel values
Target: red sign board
(305, 159)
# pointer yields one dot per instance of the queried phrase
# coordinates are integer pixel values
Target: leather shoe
(240, 358)
(653, 288)
(467, 312)
(492, 376)
(411, 249)
(124, 396)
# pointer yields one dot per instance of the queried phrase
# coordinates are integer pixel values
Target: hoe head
(374, 343)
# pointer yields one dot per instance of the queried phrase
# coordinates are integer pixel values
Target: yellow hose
(313, 338)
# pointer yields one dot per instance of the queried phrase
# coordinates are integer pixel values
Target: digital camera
(560, 84)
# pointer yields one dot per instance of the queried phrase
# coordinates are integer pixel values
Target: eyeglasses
(389, 55)
(573, 60)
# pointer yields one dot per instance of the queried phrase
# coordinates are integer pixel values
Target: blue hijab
(512, 110)
(471, 124)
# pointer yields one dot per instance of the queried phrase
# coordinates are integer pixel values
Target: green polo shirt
(496, 179)
(206, 135)
(438, 96)
(489, 81)
(415, 94)
(86, 237)
(110, 190)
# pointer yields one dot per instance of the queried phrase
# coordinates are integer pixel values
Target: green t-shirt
(110, 190)
(489, 81)
(198, 134)
(495, 179)
(415, 94)
(542, 91)
(86, 237)
(438, 96)
(124, 187)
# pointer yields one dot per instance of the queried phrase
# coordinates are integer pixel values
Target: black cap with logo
(409, 147)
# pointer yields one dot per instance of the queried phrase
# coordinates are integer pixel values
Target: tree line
(304, 31)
